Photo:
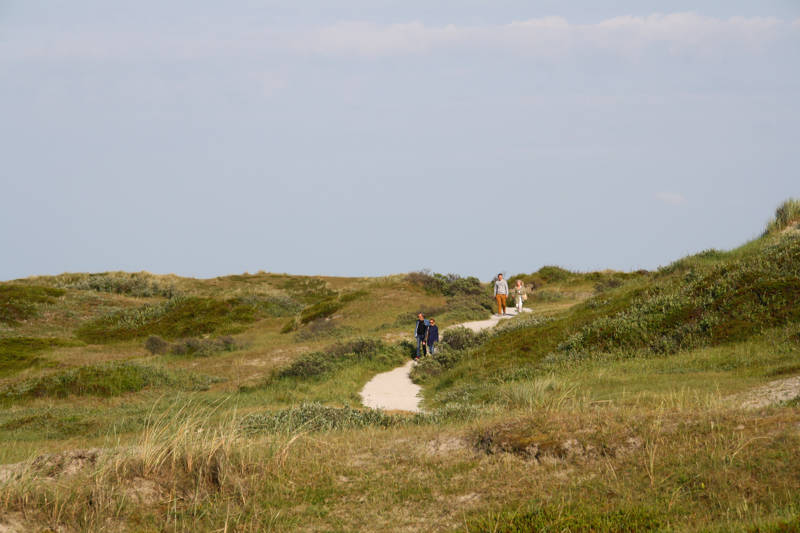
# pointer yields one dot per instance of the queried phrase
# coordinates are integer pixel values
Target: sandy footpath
(394, 390)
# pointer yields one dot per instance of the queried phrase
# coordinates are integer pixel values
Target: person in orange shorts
(501, 293)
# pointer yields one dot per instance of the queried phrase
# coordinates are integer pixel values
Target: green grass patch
(175, 318)
(575, 519)
(103, 380)
(20, 302)
(18, 353)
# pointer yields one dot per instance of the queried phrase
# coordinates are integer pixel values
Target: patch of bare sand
(774, 392)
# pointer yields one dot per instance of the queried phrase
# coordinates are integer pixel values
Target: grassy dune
(147, 403)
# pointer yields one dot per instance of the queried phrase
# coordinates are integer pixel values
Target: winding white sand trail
(394, 390)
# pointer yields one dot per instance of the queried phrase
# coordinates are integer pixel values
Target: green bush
(318, 363)
(20, 302)
(461, 338)
(445, 284)
(156, 345)
(105, 380)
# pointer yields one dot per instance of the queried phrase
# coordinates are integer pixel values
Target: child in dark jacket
(433, 335)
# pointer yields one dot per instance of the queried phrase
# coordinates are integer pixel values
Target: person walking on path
(420, 332)
(433, 335)
(521, 294)
(501, 293)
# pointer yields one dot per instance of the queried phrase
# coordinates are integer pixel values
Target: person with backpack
(420, 332)
(501, 293)
(433, 335)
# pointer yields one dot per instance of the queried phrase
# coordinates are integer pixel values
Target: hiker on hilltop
(501, 293)
(433, 335)
(520, 293)
(420, 332)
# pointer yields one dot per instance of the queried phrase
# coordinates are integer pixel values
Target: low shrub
(20, 302)
(461, 338)
(156, 345)
(105, 380)
(314, 364)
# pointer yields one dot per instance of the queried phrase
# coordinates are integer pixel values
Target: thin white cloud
(671, 198)
(542, 37)
(548, 36)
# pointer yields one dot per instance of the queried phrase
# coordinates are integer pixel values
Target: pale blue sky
(374, 136)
